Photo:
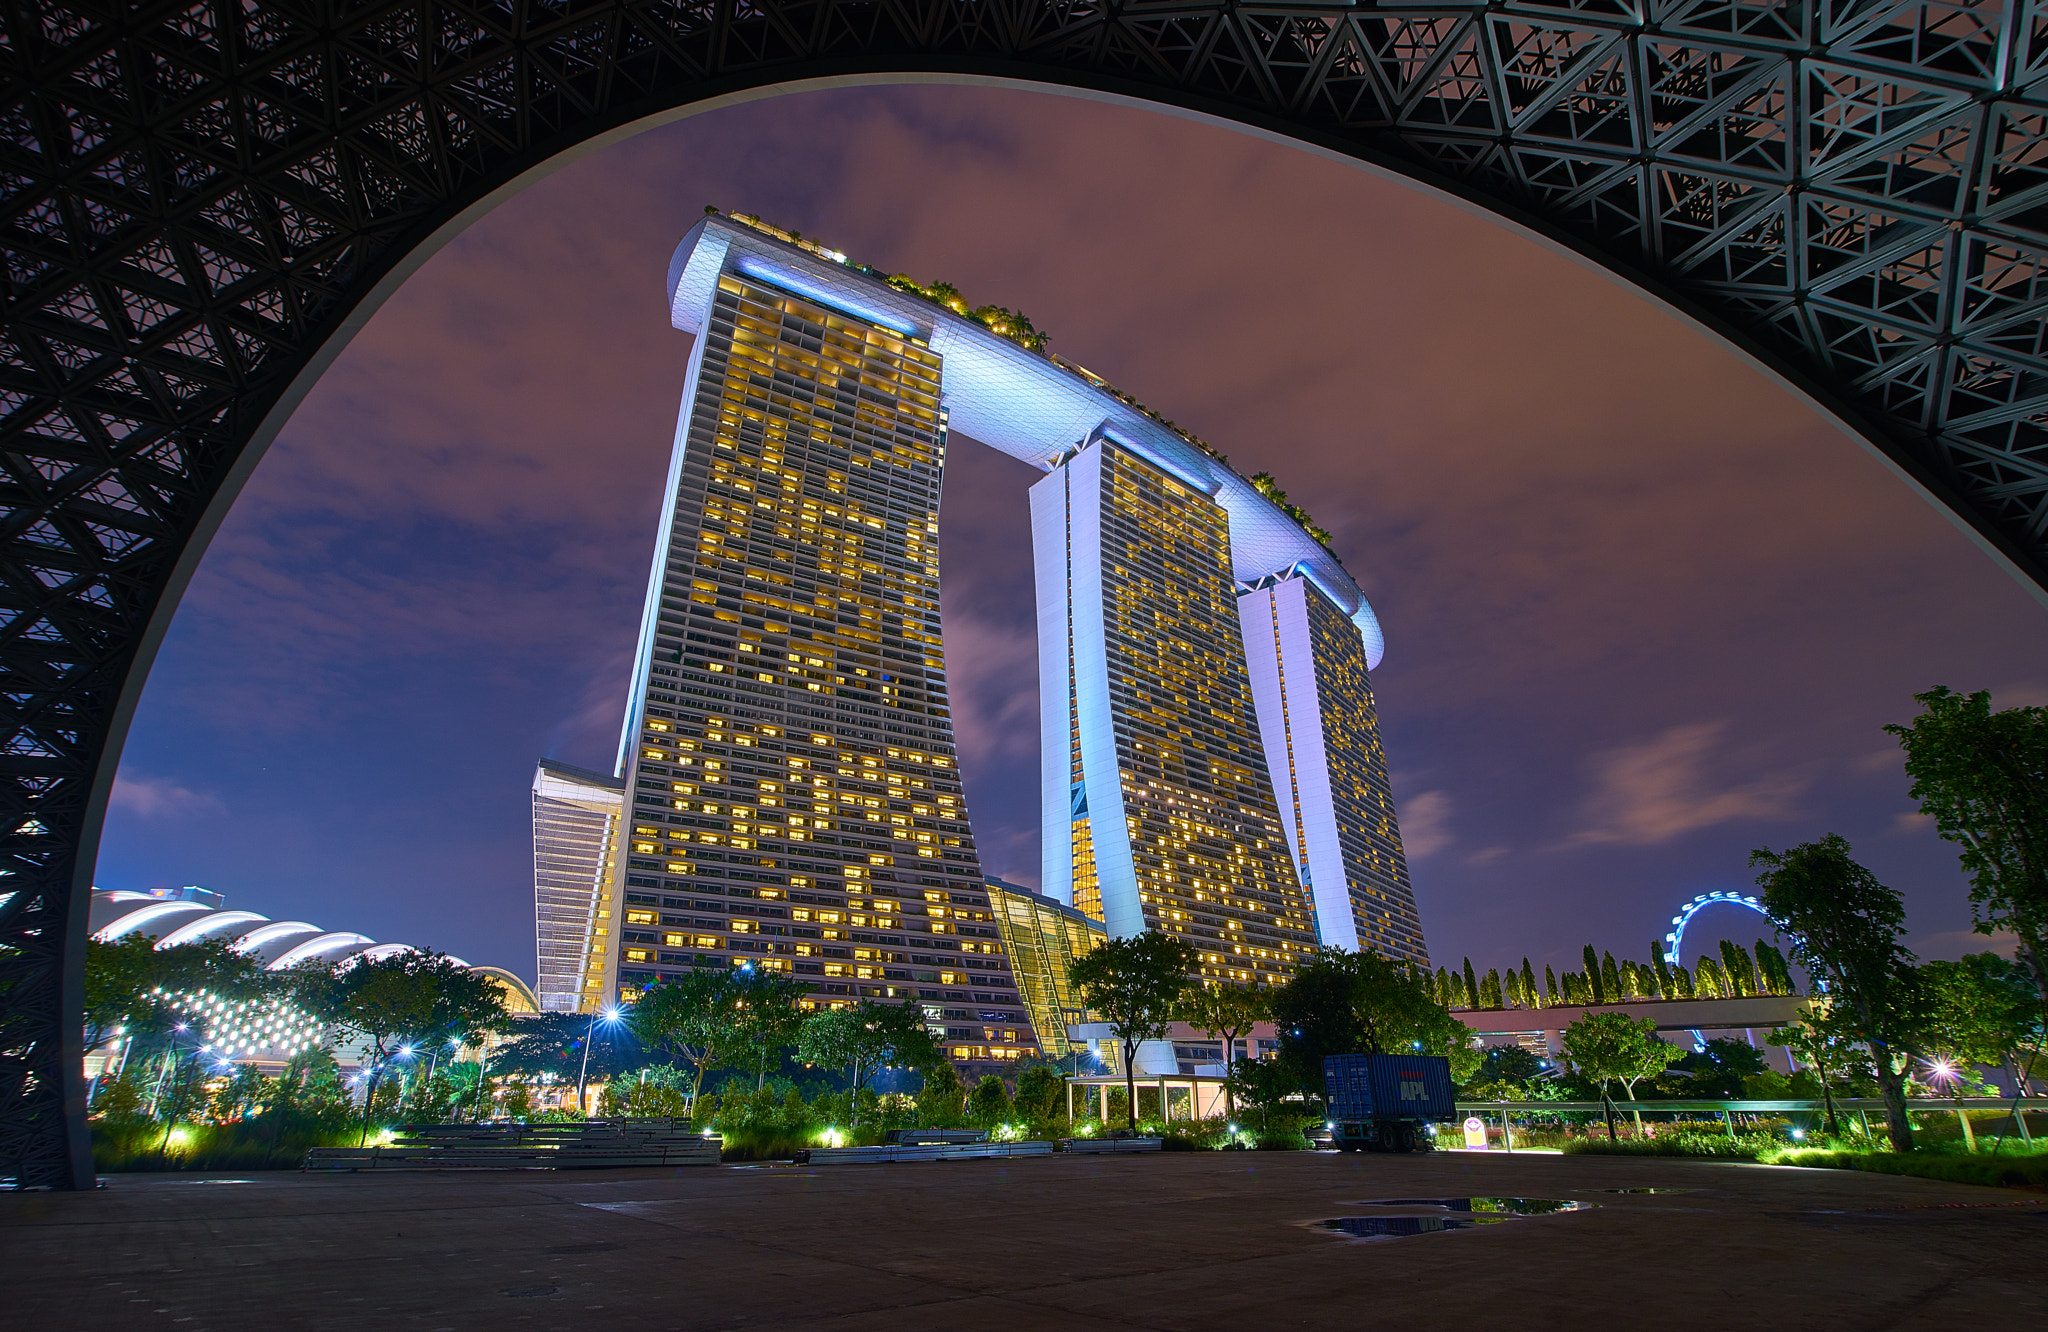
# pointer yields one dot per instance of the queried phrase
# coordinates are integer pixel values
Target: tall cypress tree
(1529, 995)
(1664, 990)
(1681, 983)
(1489, 990)
(1471, 986)
(1741, 972)
(1550, 984)
(1776, 971)
(1610, 979)
(1592, 972)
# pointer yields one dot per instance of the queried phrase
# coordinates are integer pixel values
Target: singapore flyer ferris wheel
(1675, 941)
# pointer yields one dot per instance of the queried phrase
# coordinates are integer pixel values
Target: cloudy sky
(1645, 609)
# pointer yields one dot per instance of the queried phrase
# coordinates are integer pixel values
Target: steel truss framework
(197, 197)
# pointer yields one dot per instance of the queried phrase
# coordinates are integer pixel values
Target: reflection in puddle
(1500, 1207)
(1655, 1190)
(1393, 1227)
(1444, 1214)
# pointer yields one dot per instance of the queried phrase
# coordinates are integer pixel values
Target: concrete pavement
(1176, 1241)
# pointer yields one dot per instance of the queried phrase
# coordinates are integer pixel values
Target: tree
(1982, 776)
(1819, 1040)
(1225, 1012)
(770, 1017)
(1610, 980)
(1593, 978)
(941, 1100)
(866, 1038)
(405, 998)
(1844, 928)
(1360, 1003)
(1530, 997)
(1470, 998)
(695, 1018)
(1135, 985)
(1771, 968)
(1618, 1048)
(1979, 1010)
(1041, 1095)
(989, 1104)
(1663, 969)
(552, 1044)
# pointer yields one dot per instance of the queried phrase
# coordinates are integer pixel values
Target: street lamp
(609, 1015)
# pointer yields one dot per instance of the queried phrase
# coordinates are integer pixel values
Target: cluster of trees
(1738, 972)
(1338, 1002)
(163, 1012)
(1886, 1020)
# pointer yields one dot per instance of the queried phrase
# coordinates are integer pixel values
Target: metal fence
(1724, 1112)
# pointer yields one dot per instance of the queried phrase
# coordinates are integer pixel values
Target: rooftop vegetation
(1264, 483)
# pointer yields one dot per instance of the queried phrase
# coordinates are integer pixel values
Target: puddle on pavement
(1495, 1206)
(1395, 1227)
(1655, 1190)
(1445, 1214)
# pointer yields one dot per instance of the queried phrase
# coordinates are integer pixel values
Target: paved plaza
(1222, 1240)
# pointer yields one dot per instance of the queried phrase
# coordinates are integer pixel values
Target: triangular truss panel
(194, 197)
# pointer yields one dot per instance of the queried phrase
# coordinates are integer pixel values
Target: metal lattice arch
(200, 201)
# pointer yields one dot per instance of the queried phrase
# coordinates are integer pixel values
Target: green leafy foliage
(1341, 1002)
(1982, 776)
(1135, 985)
(989, 1104)
(1264, 483)
(1845, 929)
(694, 1018)
(867, 1037)
(1613, 1047)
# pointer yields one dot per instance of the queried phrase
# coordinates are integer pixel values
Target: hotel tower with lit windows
(791, 796)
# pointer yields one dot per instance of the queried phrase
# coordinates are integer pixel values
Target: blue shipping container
(1358, 1087)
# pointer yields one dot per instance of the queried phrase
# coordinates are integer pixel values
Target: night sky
(1645, 609)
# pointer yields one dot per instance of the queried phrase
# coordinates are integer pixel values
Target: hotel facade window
(1150, 748)
(1322, 742)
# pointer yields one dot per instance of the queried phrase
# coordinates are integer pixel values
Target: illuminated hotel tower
(1149, 741)
(788, 748)
(791, 798)
(1322, 744)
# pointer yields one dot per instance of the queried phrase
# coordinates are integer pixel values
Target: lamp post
(609, 1015)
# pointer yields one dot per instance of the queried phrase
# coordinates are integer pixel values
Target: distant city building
(1043, 937)
(795, 800)
(575, 860)
(1149, 742)
(1322, 743)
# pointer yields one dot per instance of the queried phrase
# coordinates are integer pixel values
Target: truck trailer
(1386, 1102)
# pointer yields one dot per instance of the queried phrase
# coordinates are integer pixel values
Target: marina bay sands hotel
(787, 793)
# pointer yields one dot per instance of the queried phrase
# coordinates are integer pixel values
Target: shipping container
(1385, 1102)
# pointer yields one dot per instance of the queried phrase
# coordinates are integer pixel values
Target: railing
(2018, 1109)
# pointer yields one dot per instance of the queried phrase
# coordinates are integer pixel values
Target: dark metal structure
(199, 197)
